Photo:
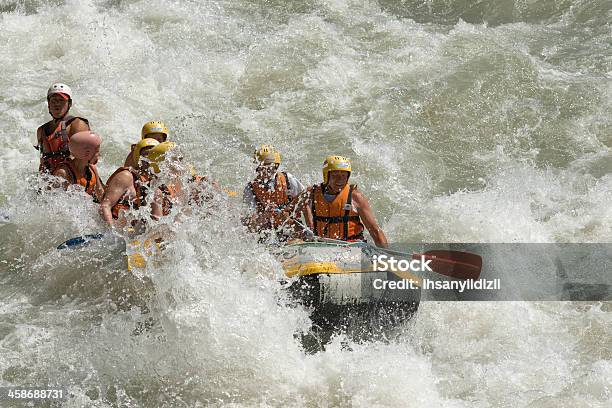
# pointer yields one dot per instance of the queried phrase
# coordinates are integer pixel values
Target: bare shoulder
(78, 125)
(124, 177)
(39, 131)
(79, 122)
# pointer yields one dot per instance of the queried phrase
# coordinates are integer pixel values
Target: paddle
(79, 241)
(454, 264)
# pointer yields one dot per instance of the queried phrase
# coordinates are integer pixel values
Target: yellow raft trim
(312, 268)
(138, 260)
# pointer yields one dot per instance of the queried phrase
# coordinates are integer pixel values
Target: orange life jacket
(141, 184)
(53, 145)
(88, 181)
(271, 199)
(338, 219)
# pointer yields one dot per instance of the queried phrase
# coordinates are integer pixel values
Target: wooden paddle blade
(456, 264)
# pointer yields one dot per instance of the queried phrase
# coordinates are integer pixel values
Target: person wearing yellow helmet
(269, 193)
(336, 209)
(174, 190)
(129, 187)
(53, 136)
(196, 184)
(154, 129)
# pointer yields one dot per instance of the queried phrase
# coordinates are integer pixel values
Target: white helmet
(59, 88)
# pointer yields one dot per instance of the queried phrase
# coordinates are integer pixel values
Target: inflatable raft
(337, 283)
(320, 275)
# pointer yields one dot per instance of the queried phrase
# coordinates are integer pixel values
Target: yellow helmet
(157, 154)
(144, 143)
(155, 126)
(267, 154)
(332, 163)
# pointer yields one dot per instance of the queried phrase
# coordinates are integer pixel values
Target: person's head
(85, 146)
(267, 159)
(149, 153)
(141, 151)
(160, 153)
(154, 130)
(336, 173)
(59, 100)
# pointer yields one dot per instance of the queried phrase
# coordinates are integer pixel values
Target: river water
(466, 121)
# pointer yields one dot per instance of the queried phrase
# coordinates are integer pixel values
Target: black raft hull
(344, 295)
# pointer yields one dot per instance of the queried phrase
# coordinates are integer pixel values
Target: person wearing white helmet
(53, 136)
(81, 169)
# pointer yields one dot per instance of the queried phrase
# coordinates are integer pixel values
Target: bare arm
(118, 186)
(39, 143)
(307, 211)
(250, 218)
(300, 205)
(156, 204)
(305, 198)
(39, 135)
(369, 221)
